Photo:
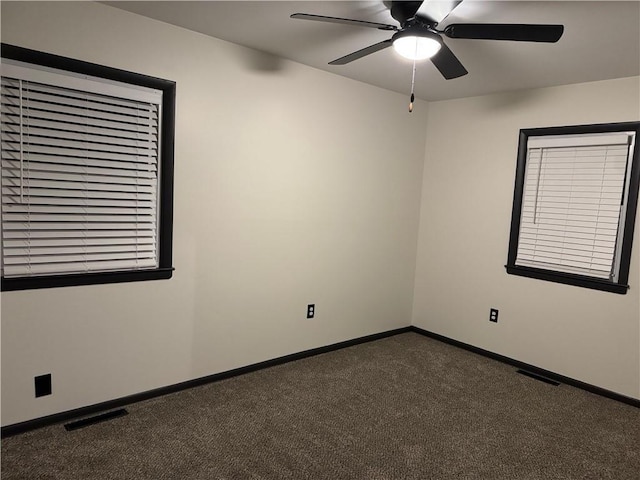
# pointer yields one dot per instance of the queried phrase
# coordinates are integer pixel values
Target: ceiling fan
(418, 38)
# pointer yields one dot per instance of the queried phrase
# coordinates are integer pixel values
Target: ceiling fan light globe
(416, 47)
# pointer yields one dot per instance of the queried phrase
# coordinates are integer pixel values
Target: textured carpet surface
(404, 407)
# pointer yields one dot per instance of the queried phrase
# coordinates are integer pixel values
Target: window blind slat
(100, 187)
(80, 242)
(11, 121)
(88, 114)
(145, 165)
(32, 142)
(53, 234)
(92, 252)
(51, 97)
(53, 150)
(100, 177)
(75, 209)
(107, 125)
(35, 202)
(77, 267)
(43, 193)
(73, 168)
(85, 226)
(104, 140)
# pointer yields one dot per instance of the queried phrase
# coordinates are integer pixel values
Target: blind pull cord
(413, 82)
(21, 146)
(85, 181)
(535, 205)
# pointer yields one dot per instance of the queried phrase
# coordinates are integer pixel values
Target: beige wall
(467, 196)
(292, 186)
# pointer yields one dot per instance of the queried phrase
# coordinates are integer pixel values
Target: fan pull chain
(413, 82)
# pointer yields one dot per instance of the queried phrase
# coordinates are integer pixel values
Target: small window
(87, 181)
(575, 204)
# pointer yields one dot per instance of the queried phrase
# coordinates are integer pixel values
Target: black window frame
(165, 200)
(621, 286)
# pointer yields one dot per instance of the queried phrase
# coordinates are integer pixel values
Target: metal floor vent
(539, 377)
(103, 417)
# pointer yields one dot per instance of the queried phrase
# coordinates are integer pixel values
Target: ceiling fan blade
(362, 53)
(344, 21)
(437, 11)
(403, 11)
(505, 31)
(448, 64)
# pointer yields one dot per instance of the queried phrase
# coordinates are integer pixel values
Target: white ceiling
(601, 41)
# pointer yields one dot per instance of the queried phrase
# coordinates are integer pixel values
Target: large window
(87, 173)
(575, 204)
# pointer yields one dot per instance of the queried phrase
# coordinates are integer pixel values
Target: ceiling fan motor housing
(416, 31)
(404, 11)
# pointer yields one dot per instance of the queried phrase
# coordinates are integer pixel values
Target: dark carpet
(404, 407)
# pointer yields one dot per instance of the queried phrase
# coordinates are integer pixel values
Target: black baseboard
(531, 368)
(22, 427)
(61, 417)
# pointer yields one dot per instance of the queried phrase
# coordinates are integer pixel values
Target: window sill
(52, 281)
(567, 279)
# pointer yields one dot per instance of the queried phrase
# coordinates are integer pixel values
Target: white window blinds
(79, 174)
(573, 199)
